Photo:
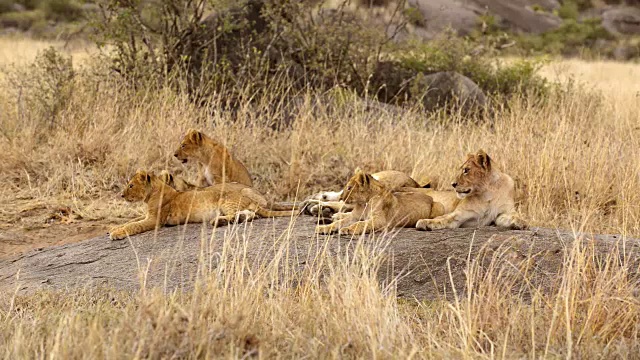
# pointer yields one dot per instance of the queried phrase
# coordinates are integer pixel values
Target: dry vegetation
(574, 157)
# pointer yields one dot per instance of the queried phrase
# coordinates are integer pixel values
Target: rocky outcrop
(622, 20)
(426, 265)
(463, 16)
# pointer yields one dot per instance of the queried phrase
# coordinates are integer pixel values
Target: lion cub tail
(273, 213)
(284, 206)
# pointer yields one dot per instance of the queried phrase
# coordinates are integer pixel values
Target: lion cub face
(139, 187)
(189, 146)
(360, 188)
(474, 174)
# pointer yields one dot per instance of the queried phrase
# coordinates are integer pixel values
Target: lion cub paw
(429, 224)
(325, 229)
(321, 211)
(519, 224)
(244, 216)
(117, 233)
(219, 221)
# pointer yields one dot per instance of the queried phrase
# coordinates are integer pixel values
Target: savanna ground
(574, 157)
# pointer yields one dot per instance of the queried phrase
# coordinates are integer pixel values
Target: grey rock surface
(425, 264)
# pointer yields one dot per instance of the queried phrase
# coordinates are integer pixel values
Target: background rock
(622, 20)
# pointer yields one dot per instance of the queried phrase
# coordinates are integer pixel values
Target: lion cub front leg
(340, 215)
(334, 226)
(511, 220)
(449, 221)
(132, 228)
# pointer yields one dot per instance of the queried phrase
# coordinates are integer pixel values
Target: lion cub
(175, 181)
(215, 162)
(375, 207)
(486, 196)
(329, 202)
(219, 204)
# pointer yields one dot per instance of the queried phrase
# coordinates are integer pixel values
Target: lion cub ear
(363, 178)
(195, 136)
(483, 159)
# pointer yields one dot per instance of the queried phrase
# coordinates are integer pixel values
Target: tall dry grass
(334, 308)
(574, 157)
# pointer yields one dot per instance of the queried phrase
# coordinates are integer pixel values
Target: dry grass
(574, 157)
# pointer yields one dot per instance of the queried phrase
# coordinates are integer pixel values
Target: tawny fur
(375, 207)
(179, 184)
(486, 196)
(330, 200)
(215, 163)
(175, 181)
(218, 204)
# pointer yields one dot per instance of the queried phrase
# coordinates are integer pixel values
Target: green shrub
(454, 54)
(569, 10)
(570, 37)
(30, 4)
(62, 10)
(280, 48)
(21, 20)
(6, 6)
(45, 86)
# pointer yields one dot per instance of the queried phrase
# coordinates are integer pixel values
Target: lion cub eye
(465, 171)
(182, 146)
(130, 186)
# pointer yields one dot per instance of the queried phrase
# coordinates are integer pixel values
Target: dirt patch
(26, 224)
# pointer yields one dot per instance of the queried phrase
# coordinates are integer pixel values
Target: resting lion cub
(329, 202)
(220, 204)
(176, 182)
(486, 196)
(215, 162)
(378, 208)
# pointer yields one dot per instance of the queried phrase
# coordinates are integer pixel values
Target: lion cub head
(474, 175)
(190, 146)
(140, 186)
(360, 188)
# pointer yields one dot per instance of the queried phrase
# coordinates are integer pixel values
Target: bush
(6, 6)
(569, 10)
(278, 48)
(571, 36)
(21, 20)
(45, 86)
(455, 54)
(62, 10)
(30, 4)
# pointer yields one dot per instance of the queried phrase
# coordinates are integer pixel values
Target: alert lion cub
(215, 162)
(219, 204)
(486, 196)
(375, 207)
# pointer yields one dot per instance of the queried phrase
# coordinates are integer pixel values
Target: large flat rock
(424, 263)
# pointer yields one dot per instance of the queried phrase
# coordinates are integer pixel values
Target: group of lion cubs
(223, 194)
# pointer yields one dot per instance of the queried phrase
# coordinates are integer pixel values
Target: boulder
(463, 16)
(622, 20)
(440, 15)
(449, 88)
(421, 265)
(521, 15)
